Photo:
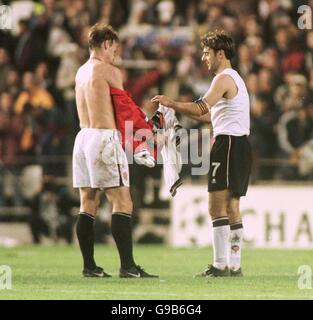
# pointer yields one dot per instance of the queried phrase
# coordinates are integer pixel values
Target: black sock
(122, 233)
(85, 235)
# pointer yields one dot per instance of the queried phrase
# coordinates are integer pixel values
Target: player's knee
(213, 211)
(89, 207)
(217, 212)
(122, 205)
(228, 210)
(214, 214)
(128, 207)
(234, 217)
(234, 210)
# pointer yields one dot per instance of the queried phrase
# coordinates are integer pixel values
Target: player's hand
(144, 158)
(164, 100)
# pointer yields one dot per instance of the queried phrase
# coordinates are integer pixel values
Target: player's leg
(121, 227)
(220, 228)
(89, 199)
(122, 208)
(218, 199)
(240, 168)
(236, 235)
(220, 235)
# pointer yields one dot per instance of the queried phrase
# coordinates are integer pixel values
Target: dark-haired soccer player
(228, 102)
(99, 161)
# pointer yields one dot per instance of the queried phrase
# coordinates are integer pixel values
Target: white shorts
(99, 160)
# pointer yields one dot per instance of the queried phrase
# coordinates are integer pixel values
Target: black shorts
(230, 165)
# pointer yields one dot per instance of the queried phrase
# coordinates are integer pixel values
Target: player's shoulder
(107, 72)
(107, 68)
(223, 80)
(83, 73)
(222, 77)
(79, 74)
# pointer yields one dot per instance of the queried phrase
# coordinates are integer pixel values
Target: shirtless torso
(93, 82)
(96, 113)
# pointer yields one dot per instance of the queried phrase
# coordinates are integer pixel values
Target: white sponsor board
(273, 217)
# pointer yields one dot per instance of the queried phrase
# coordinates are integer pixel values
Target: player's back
(93, 98)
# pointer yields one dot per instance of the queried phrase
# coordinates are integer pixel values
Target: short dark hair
(219, 40)
(99, 33)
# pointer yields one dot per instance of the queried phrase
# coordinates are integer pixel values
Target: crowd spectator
(5, 67)
(295, 130)
(33, 96)
(263, 135)
(51, 213)
(11, 126)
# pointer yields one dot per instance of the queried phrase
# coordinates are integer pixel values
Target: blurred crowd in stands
(39, 58)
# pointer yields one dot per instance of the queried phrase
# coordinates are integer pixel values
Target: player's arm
(110, 74)
(205, 118)
(201, 106)
(106, 75)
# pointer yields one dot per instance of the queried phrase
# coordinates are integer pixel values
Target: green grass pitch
(54, 272)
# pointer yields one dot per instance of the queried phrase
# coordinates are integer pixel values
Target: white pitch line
(169, 294)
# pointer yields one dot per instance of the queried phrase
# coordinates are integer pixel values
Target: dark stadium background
(161, 51)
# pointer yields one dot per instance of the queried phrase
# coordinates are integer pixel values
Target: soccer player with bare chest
(99, 161)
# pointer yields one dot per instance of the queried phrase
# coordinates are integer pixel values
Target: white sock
(236, 235)
(221, 233)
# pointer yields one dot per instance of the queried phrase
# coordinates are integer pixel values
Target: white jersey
(232, 116)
